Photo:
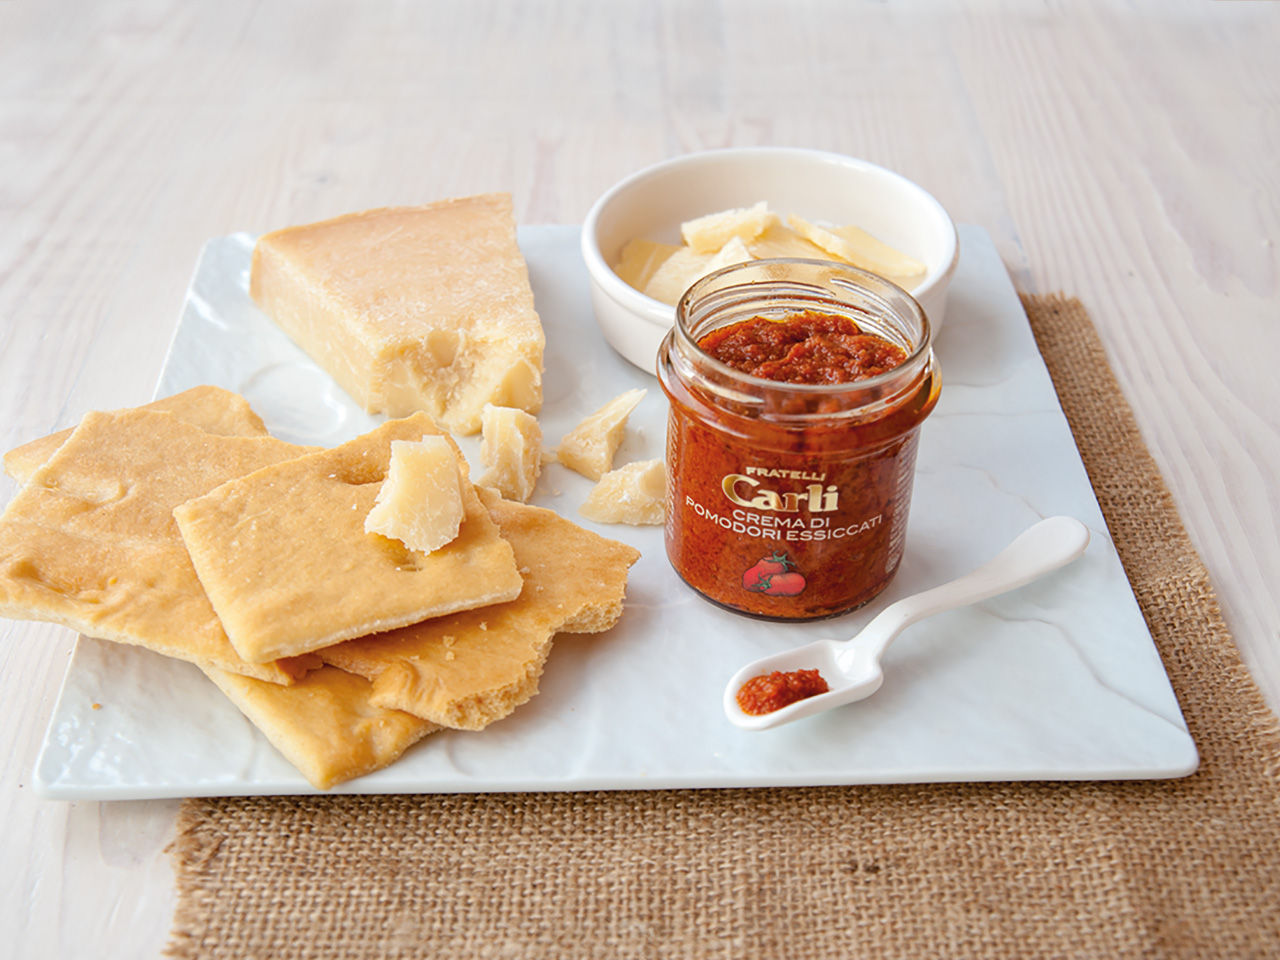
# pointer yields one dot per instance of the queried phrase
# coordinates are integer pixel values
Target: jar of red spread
(791, 458)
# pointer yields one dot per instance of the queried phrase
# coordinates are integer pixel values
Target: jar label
(804, 539)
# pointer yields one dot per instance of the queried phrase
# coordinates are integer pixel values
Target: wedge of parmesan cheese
(589, 447)
(680, 270)
(710, 233)
(411, 308)
(511, 447)
(634, 494)
(641, 259)
(854, 245)
(420, 500)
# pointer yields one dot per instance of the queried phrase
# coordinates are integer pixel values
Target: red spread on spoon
(773, 691)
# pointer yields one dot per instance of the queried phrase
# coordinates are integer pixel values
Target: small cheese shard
(780, 241)
(676, 274)
(684, 267)
(589, 447)
(710, 233)
(420, 501)
(856, 246)
(411, 308)
(511, 447)
(641, 259)
(634, 494)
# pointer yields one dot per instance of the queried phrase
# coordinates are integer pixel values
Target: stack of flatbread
(183, 527)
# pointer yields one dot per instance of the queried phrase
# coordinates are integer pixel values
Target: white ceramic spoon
(852, 667)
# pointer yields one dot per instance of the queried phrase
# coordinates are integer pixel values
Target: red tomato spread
(773, 691)
(790, 461)
(804, 347)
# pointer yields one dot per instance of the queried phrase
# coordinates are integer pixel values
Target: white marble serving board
(1059, 680)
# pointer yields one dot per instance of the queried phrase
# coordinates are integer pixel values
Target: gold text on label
(742, 490)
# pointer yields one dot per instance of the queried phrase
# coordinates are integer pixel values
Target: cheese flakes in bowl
(652, 235)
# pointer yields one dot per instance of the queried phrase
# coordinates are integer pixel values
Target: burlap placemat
(1182, 868)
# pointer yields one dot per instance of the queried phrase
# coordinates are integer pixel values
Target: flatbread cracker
(212, 409)
(285, 560)
(470, 669)
(324, 724)
(90, 542)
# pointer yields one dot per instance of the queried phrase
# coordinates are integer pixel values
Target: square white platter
(1057, 681)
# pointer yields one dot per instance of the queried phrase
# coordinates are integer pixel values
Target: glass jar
(789, 501)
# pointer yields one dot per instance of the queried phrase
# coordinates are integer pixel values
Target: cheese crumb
(420, 501)
(634, 494)
(589, 447)
(511, 447)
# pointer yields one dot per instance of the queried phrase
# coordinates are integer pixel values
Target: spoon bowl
(852, 667)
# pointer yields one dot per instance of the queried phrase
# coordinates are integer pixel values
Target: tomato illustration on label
(785, 584)
(775, 576)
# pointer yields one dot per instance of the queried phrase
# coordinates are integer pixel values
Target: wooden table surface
(1124, 153)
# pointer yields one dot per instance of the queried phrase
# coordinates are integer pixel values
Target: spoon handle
(1039, 550)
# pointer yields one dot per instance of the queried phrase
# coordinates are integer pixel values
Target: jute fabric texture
(1182, 868)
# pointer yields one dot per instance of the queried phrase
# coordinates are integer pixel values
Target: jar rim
(842, 275)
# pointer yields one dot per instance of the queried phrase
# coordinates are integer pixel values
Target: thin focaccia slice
(212, 409)
(411, 308)
(324, 724)
(470, 669)
(294, 535)
(90, 542)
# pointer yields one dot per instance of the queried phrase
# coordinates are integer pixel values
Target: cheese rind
(511, 447)
(411, 308)
(589, 447)
(420, 501)
(635, 494)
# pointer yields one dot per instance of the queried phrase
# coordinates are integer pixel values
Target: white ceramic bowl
(653, 202)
